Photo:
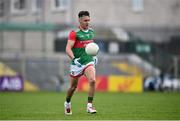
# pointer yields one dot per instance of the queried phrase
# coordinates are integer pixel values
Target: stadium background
(138, 75)
(138, 40)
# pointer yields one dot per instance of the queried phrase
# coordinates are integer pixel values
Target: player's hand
(95, 59)
(76, 61)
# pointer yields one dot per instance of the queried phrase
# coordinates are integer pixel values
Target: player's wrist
(95, 59)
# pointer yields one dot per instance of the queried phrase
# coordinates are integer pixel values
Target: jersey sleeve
(72, 36)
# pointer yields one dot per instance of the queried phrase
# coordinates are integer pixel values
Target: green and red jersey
(81, 38)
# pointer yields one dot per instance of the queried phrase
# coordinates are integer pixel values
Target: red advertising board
(101, 83)
(113, 83)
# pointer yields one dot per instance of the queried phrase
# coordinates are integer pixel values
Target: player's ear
(79, 20)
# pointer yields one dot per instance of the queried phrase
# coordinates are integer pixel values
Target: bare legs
(90, 74)
(73, 86)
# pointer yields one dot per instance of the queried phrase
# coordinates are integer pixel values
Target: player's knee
(92, 82)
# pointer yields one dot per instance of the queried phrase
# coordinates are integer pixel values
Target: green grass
(110, 106)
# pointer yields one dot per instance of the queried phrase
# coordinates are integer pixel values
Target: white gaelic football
(92, 49)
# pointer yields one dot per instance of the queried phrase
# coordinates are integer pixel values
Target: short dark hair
(83, 13)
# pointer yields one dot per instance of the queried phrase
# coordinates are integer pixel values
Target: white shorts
(76, 71)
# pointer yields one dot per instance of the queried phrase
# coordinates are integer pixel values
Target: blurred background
(139, 44)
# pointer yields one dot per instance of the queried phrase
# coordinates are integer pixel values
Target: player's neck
(84, 29)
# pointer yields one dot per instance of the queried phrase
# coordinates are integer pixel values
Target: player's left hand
(95, 59)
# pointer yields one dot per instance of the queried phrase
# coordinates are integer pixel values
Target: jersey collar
(83, 30)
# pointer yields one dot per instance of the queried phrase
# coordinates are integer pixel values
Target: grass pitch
(110, 106)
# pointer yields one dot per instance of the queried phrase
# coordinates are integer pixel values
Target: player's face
(84, 22)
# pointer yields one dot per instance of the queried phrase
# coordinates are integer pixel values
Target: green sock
(90, 99)
(68, 99)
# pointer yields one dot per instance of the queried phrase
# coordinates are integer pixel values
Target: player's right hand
(76, 61)
(95, 59)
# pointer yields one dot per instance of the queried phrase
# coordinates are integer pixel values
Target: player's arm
(69, 46)
(69, 52)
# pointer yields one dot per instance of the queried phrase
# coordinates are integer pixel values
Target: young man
(81, 63)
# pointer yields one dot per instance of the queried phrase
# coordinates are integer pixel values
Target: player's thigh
(90, 73)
